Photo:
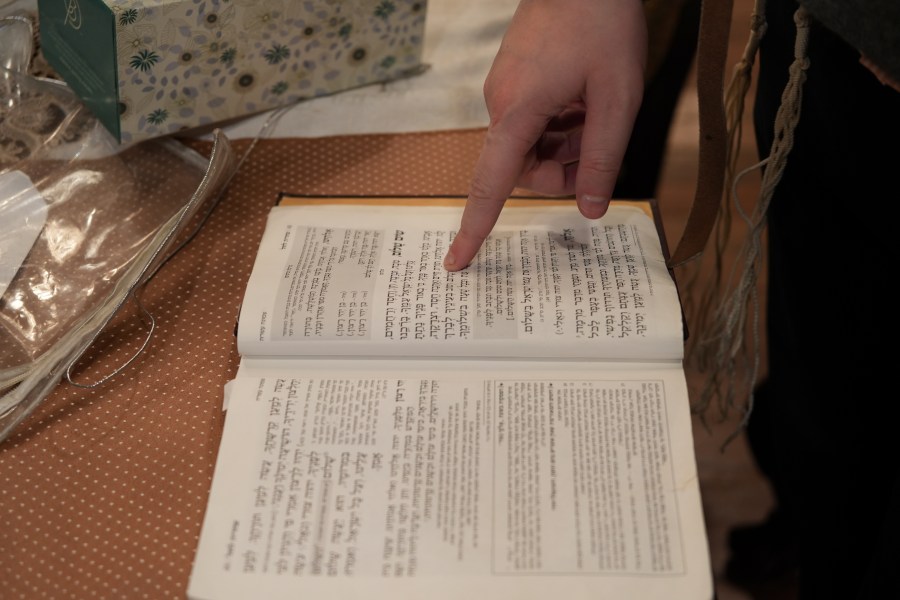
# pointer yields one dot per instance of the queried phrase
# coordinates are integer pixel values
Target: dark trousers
(643, 160)
(825, 428)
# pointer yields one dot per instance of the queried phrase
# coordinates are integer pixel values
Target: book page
(351, 280)
(509, 485)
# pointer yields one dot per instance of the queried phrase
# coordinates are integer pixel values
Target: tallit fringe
(724, 313)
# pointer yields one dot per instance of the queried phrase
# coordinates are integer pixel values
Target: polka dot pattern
(102, 491)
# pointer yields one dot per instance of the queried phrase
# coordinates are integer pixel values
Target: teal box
(148, 68)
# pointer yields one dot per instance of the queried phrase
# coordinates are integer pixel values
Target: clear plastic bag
(83, 222)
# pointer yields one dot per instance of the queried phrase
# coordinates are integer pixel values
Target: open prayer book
(519, 429)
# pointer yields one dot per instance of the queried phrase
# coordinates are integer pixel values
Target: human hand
(562, 94)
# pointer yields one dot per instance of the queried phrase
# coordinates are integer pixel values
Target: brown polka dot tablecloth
(102, 491)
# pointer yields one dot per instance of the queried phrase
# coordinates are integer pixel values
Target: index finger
(493, 178)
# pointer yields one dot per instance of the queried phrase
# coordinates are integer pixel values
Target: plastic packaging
(83, 221)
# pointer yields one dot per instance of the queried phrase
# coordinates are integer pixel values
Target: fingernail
(593, 207)
(449, 260)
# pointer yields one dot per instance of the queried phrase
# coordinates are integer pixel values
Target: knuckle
(481, 193)
(599, 163)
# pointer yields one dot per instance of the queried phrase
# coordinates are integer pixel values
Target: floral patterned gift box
(148, 68)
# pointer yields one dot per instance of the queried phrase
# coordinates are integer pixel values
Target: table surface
(104, 490)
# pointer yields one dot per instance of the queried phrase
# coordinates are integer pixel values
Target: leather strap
(712, 50)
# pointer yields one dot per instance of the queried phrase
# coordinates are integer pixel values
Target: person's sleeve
(870, 26)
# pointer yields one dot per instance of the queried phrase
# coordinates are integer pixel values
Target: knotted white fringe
(719, 346)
